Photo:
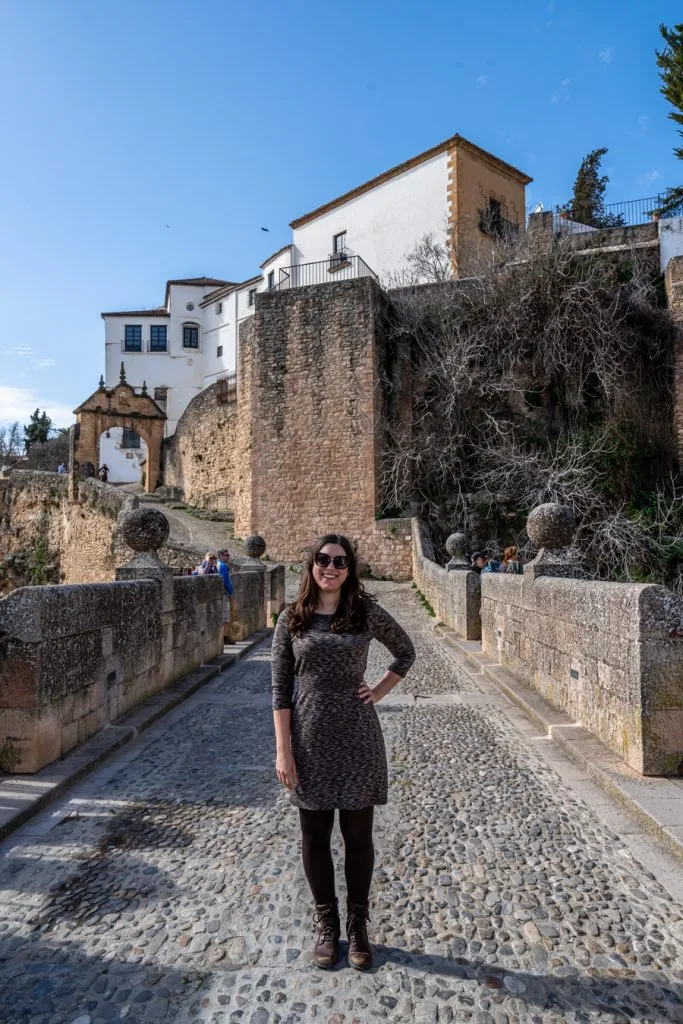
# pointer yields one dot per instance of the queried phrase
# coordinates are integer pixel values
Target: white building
(183, 346)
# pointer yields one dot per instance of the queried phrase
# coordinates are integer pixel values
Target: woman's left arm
(385, 628)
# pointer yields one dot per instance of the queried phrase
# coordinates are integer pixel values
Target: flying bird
(265, 229)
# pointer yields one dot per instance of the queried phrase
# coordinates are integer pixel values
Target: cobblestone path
(167, 887)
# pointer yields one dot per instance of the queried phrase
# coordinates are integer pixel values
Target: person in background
(492, 565)
(208, 566)
(478, 560)
(223, 566)
(104, 473)
(510, 561)
(61, 468)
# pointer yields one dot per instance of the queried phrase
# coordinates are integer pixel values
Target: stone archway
(120, 406)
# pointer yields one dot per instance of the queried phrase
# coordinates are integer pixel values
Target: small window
(252, 296)
(133, 338)
(339, 243)
(219, 351)
(160, 394)
(131, 439)
(219, 307)
(271, 280)
(190, 336)
(189, 307)
(157, 339)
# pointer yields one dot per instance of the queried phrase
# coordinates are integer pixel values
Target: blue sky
(219, 116)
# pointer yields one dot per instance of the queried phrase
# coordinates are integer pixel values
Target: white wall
(123, 463)
(384, 224)
(284, 259)
(178, 369)
(670, 240)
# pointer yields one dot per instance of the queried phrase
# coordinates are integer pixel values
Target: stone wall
(454, 595)
(200, 456)
(314, 413)
(35, 505)
(73, 658)
(673, 279)
(610, 655)
(87, 544)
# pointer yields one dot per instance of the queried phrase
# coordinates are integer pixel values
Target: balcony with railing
(575, 219)
(339, 266)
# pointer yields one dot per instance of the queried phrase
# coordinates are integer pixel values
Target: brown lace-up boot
(326, 949)
(360, 951)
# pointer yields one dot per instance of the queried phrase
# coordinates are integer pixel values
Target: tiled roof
(278, 253)
(197, 282)
(200, 282)
(159, 311)
(407, 165)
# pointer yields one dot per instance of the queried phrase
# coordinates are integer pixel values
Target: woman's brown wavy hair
(351, 613)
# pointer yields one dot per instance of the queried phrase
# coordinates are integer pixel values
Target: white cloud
(648, 178)
(561, 93)
(26, 352)
(607, 54)
(482, 81)
(19, 403)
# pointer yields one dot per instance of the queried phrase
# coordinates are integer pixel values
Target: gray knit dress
(337, 740)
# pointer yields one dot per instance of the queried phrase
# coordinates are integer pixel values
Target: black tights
(356, 828)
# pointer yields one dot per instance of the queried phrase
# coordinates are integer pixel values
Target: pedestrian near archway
(329, 747)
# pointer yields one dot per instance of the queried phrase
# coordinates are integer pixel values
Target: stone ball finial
(456, 544)
(255, 546)
(144, 529)
(551, 526)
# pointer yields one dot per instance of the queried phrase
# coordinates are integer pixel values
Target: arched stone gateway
(121, 406)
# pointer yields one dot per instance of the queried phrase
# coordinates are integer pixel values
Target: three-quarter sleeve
(282, 665)
(386, 629)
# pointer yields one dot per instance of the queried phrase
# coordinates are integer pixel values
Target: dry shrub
(545, 376)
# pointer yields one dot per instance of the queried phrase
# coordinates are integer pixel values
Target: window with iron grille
(157, 339)
(219, 307)
(271, 280)
(219, 351)
(252, 296)
(132, 339)
(131, 439)
(190, 336)
(339, 243)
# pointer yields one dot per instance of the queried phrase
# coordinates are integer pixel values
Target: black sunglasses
(339, 561)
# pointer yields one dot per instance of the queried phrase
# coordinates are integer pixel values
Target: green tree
(587, 205)
(39, 429)
(670, 64)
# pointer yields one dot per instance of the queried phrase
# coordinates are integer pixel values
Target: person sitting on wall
(104, 472)
(61, 468)
(223, 566)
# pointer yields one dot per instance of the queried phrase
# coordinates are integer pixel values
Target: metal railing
(339, 266)
(575, 220)
(227, 386)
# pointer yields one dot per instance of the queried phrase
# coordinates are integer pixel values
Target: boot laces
(325, 920)
(358, 915)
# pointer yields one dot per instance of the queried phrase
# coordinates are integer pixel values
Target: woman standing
(330, 749)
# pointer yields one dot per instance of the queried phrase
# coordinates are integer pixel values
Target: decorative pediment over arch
(120, 406)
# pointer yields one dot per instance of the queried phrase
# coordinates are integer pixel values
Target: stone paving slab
(168, 885)
(658, 802)
(22, 796)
